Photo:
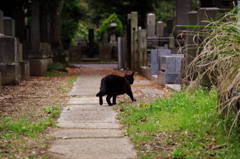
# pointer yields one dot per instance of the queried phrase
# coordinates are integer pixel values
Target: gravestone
(170, 69)
(207, 3)
(142, 47)
(9, 26)
(171, 64)
(191, 46)
(217, 3)
(169, 28)
(0, 81)
(35, 30)
(13, 73)
(1, 22)
(160, 28)
(39, 48)
(182, 9)
(8, 49)
(155, 56)
(208, 14)
(121, 52)
(134, 29)
(151, 25)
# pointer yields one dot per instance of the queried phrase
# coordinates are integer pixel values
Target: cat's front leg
(100, 100)
(130, 94)
(108, 100)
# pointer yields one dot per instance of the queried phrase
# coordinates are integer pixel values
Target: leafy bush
(104, 27)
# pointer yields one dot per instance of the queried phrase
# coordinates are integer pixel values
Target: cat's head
(130, 77)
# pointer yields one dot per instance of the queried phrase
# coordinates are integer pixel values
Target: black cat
(113, 85)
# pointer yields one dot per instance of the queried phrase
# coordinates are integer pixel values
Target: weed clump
(218, 63)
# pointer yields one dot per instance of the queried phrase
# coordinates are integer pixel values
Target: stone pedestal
(170, 69)
(1, 22)
(164, 78)
(8, 49)
(39, 66)
(11, 73)
(155, 59)
(25, 70)
(9, 26)
(160, 29)
(151, 25)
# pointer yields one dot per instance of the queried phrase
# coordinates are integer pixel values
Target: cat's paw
(134, 100)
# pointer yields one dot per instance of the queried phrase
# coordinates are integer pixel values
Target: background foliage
(104, 27)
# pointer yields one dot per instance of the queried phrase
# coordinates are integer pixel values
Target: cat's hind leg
(114, 99)
(108, 99)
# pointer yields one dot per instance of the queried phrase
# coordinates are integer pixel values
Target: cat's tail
(100, 94)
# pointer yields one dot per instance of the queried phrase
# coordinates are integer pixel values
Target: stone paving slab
(112, 125)
(83, 115)
(176, 87)
(85, 107)
(86, 85)
(152, 91)
(83, 100)
(87, 133)
(84, 91)
(142, 82)
(94, 148)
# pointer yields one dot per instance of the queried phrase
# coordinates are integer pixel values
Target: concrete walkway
(88, 130)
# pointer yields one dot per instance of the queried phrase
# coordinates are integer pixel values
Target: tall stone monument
(9, 26)
(134, 29)
(151, 25)
(182, 9)
(1, 22)
(40, 51)
(160, 29)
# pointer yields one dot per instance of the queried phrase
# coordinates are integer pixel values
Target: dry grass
(218, 63)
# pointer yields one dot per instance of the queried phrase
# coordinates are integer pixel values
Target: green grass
(181, 126)
(56, 69)
(23, 126)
